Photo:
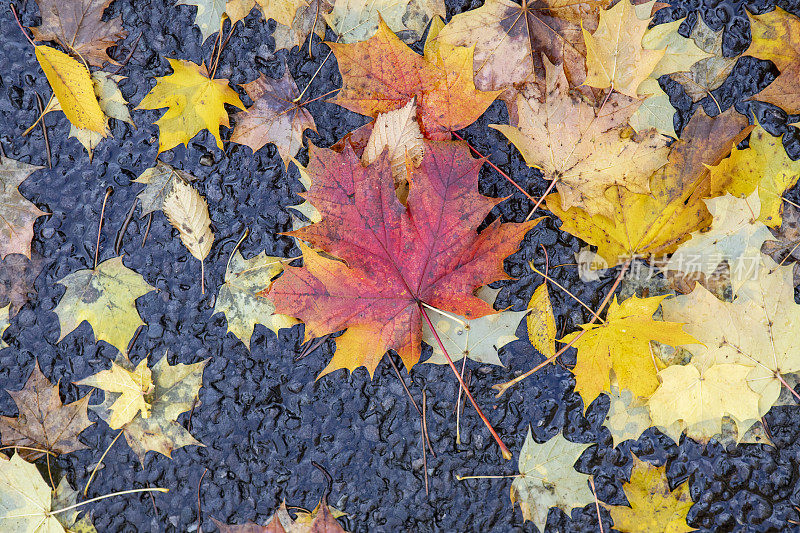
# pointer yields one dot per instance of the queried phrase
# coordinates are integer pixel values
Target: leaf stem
(501, 388)
(132, 491)
(96, 466)
(506, 176)
(21, 28)
(503, 448)
(109, 190)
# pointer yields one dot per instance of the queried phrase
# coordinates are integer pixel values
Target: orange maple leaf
(393, 258)
(382, 74)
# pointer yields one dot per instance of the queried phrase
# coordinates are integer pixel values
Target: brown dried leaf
(77, 25)
(44, 422)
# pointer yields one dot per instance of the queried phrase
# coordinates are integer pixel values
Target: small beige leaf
(187, 211)
(397, 131)
(541, 322)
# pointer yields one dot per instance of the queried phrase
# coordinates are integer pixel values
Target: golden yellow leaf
(765, 166)
(132, 387)
(622, 344)
(654, 507)
(195, 102)
(187, 211)
(615, 56)
(585, 150)
(541, 322)
(656, 223)
(73, 88)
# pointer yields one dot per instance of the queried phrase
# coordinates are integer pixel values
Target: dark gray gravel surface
(263, 418)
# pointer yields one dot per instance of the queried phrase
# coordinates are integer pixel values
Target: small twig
(312, 346)
(542, 199)
(121, 232)
(40, 450)
(129, 56)
(21, 28)
(44, 131)
(147, 229)
(424, 451)
(596, 504)
(239, 243)
(400, 377)
(501, 388)
(200, 503)
(462, 478)
(109, 190)
(458, 402)
(425, 423)
(97, 465)
(81, 504)
(314, 76)
(506, 176)
(219, 50)
(328, 478)
(503, 448)
(557, 284)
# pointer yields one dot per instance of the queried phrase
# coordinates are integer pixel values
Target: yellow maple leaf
(656, 223)
(585, 150)
(195, 102)
(132, 387)
(654, 507)
(73, 88)
(622, 344)
(615, 56)
(765, 166)
(775, 37)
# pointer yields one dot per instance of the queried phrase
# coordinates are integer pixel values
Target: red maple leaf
(392, 257)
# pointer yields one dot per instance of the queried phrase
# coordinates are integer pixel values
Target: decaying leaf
(195, 101)
(43, 421)
(238, 297)
(541, 322)
(274, 117)
(383, 74)
(310, 18)
(776, 37)
(111, 102)
(73, 87)
(105, 297)
(735, 236)
(764, 166)
(187, 211)
(709, 73)
(357, 20)
(174, 391)
(133, 387)
(622, 344)
(615, 55)
(653, 506)
(321, 520)
(511, 39)
(397, 132)
(586, 151)
(627, 416)
(786, 249)
(17, 214)
(426, 252)
(647, 225)
(65, 496)
(17, 277)
(25, 499)
(478, 339)
(548, 478)
(158, 181)
(78, 25)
